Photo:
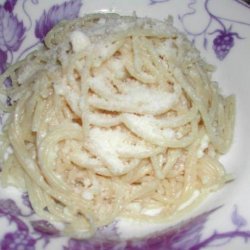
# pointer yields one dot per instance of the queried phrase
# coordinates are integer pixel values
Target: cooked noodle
(114, 117)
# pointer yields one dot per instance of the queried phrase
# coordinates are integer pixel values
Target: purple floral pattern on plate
(29, 231)
(223, 42)
(187, 235)
(67, 10)
(3, 60)
(25, 236)
(9, 5)
(223, 38)
(18, 240)
(44, 227)
(12, 33)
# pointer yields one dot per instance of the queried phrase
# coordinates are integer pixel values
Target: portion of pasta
(114, 117)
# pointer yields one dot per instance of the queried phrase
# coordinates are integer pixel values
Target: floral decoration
(187, 235)
(12, 33)
(223, 37)
(67, 10)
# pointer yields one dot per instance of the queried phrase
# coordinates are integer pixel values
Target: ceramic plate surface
(221, 31)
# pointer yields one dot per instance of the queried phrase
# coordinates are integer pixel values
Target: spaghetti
(114, 117)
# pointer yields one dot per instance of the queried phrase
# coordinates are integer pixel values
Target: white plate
(221, 31)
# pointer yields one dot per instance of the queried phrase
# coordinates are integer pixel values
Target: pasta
(114, 117)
